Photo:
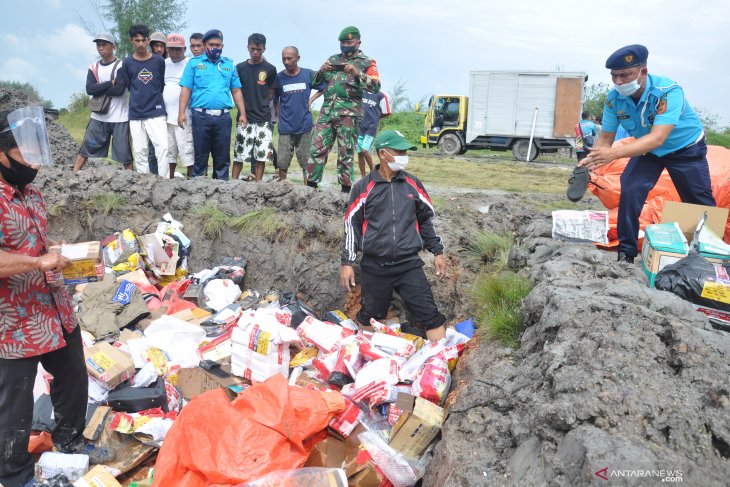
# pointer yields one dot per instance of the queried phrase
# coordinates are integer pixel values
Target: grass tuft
(107, 202)
(212, 220)
(266, 222)
(491, 248)
(498, 298)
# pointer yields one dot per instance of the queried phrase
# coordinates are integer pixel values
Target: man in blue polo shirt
(668, 133)
(208, 83)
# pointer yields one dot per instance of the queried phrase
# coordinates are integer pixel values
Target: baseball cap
(175, 40)
(106, 37)
(158, 37)
(392, 139)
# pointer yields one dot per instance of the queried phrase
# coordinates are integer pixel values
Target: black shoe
(578, 183)
(312, 184)
(346, 189)
(97, 455)
(623, 257)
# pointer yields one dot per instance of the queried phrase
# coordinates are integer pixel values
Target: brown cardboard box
(98, 476)
(108, 365)
(195, 315)
(419, 424)
(93, 428)
(194, 382)
(328, 453)
(87, 263)
(688, 216)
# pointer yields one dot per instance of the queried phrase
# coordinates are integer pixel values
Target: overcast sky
(430, 45)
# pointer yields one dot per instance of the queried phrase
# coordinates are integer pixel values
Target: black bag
(100, 103)
(128, 399)
(299, 311)
(692, 276)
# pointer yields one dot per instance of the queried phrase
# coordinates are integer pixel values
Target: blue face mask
(348, 49)
(214, 53)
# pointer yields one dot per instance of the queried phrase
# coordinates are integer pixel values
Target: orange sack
(606, 185)
(215, 441)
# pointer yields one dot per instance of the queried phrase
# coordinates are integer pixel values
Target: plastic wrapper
(399, 470)
(433, 380)
(304, 357)
(698, 281)
(119, 249)
(258, 367)
(299, 310)
(302, 477)
(450, 346)
(393, 329)
(374, 377)
(325, 363)
(322, 335)
(393, 345)
(345, 422)
(348, 362)
(220, 293)
(388, 394)
(177, 338)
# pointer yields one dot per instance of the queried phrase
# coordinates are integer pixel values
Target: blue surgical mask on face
(628, 89)
(214, 53)
(348, 49)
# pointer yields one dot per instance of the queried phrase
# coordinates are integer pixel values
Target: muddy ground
(610, 374)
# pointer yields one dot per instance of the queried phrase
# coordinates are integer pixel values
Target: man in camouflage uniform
(346, 76)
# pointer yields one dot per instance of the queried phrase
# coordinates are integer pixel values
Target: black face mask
(17, 174)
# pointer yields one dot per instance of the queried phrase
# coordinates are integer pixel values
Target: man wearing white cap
(179, 139)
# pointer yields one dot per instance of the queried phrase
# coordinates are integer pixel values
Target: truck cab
(445, 124)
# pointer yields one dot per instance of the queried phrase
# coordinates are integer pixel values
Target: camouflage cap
(348, 33)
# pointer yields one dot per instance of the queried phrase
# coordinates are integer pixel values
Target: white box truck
(505, 110)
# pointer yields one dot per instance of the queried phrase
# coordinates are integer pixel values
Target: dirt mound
(63, 147)
(303, 254)
(610, 374)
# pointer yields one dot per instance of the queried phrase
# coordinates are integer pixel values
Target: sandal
(578, 183)
(249, 177)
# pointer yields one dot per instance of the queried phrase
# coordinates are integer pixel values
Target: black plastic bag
(692, 276)
(299, 311)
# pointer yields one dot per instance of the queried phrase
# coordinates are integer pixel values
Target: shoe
(346, 189)
(623, 257)
(578, 183)
(312, 184)
(97, 455)
(249, 177)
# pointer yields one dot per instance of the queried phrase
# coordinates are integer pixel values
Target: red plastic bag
(215, 441)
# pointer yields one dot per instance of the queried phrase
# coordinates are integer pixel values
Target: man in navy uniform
(668, 133)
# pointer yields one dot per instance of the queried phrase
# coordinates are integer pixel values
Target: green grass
(107, 202)
(497, 298)
(491, 248)
(264, 222)
(75, 123)
(212, 219)
(715, 138)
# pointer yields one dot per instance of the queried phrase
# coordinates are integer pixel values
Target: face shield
(28, 125)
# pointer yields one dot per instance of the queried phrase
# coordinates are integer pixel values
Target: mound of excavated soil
(63, 147)
(610, 374)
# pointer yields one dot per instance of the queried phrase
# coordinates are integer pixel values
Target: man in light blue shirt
(668, 133)
(588, 133)
(210, 85)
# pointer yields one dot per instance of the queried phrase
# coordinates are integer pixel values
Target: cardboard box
(664, 244)
(419, 424)
(194, 382)
(99, 476)
(109, 365)
(688, 216)
(92, 432)
(87, 263)
(328, 453)
(162, 250)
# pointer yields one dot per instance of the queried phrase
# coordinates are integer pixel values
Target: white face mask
(399, 162)
(628, 89)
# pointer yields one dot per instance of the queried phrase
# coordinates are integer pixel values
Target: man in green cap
(390, 220)
(346, 76)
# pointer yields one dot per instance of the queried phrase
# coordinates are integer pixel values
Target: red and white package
(321, 334)
(433, 380)
(388, 394)
(393, 329)
(325, 363)
(346, 421)
(393, 414)
(349, 362)
(393, 345)
(374, 377)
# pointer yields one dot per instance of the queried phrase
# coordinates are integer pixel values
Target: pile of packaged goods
(249, 388)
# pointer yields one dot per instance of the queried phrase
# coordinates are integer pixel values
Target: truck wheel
(450, 145)
(519, 150)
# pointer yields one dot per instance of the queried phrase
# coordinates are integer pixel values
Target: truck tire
(450, 145)
(519, 150)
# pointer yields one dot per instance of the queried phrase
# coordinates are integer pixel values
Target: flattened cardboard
(108, 364)
(95, 425)
(419, 424)
(98, 476)
(194, 382)
(688, 216)
(328, 453)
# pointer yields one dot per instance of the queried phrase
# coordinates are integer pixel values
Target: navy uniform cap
(211, 34)
(627, 57)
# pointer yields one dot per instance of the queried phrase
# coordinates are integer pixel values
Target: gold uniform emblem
(629, 58)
